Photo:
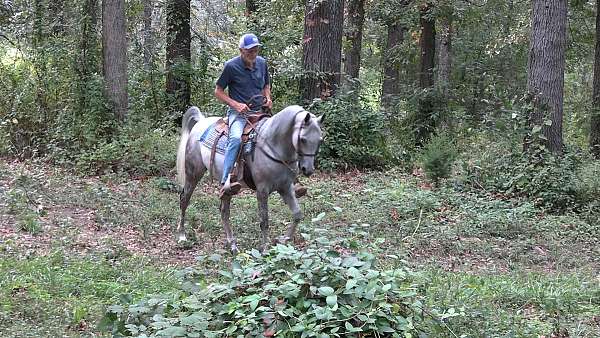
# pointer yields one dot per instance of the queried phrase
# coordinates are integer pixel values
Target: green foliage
(354, 133)
(315, 292)
(438, 157)
(555, 183)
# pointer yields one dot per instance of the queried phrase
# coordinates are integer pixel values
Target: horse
(286, 143)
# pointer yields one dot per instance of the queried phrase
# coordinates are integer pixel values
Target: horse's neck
(278, 132)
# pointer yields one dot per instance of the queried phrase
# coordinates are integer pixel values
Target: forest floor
(72, 245)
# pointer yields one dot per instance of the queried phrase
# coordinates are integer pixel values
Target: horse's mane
(283, 121)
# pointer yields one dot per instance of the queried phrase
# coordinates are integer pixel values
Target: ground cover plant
(505, 266)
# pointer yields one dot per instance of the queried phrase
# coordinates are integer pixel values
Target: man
(244, 76)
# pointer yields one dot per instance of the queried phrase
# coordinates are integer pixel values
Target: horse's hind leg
(184, 201)
(290, 199)
(225, 206)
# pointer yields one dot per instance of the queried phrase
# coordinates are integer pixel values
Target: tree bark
(178, 56)
(424, 122)
(114, 52)
(390, 89)
(354, 33)
(545, 72)
(427, 45)
(322, 48)
(444, 58)
(595, 118)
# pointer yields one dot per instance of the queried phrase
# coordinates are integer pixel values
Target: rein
(288, 163)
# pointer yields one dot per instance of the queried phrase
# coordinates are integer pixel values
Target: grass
(512, 269)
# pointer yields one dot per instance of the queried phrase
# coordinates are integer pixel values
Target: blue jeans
(236, 128)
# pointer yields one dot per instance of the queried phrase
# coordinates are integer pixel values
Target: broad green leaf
(326, 291)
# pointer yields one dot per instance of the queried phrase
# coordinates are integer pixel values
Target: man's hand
(240, 107)
(269, 103)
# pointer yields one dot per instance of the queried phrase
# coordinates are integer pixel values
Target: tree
(354, 33)
(545, 72)
(390, 88)
(322, 47)
(179, 38)
(444, 43)
(427, 45)
(114, 52)
(87, 63)
(148, 36)
(424, 122)
(595, 119)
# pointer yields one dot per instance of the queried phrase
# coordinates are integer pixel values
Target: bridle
(290, 164)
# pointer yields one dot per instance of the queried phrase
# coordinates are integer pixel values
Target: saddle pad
(211, 134)
(209, 137)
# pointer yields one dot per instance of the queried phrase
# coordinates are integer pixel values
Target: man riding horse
(246, 77)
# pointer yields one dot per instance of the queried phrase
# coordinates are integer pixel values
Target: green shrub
(316, 292)
(354, 133)
(437, 157)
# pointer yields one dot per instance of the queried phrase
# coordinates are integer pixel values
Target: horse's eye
(303, 140)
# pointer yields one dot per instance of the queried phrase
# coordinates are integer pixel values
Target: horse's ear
(320, 119)
(307, 118)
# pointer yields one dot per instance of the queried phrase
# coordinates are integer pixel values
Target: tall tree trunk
(57, 10)
(87, 63)
(545, 72)
(114, 52)
(595, 119)
(179, 38)
(148, 35)
(354, 33)
(427, 45)
(424, 123)
(322, 48)
(390, 89)
(444, 44)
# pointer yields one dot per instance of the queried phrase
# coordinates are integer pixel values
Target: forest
(456, 191)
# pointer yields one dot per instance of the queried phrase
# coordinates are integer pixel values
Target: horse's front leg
(263, 213)
(290, 199)
(225, 206)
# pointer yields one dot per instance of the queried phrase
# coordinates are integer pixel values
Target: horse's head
(307, 139)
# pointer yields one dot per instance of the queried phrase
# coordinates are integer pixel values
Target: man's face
(249, 55)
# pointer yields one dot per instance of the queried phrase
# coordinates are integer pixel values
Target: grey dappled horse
(286, 143)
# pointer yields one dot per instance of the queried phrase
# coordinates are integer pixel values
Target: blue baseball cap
(248, 41)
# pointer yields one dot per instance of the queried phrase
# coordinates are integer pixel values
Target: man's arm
(223, 97)
(267, 93)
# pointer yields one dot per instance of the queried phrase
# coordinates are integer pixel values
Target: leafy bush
(134, 151)
(354, 133)
(437, 157)
(316, 292)
(552, 182)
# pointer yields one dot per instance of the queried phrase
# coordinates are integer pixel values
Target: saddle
(240, 171)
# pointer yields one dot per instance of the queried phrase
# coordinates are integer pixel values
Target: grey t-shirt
(242, 82)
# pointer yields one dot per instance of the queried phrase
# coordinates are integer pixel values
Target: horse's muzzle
(306, 172)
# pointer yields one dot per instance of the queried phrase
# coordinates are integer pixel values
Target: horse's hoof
(283, 239)
(234, 250)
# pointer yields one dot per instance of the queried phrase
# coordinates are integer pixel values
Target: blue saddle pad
(210, 135)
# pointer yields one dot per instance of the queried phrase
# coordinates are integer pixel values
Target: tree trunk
(322, 47)
(595, 119)
(251, 7)
(178, 56)
(424, 122)
(390, 90)
(444, 43)
(87, 63)
(545, 70)
(114, 52)
(354, 33)
(148, 35)
(427, 44)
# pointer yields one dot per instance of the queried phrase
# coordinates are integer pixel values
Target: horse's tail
(189, 120)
